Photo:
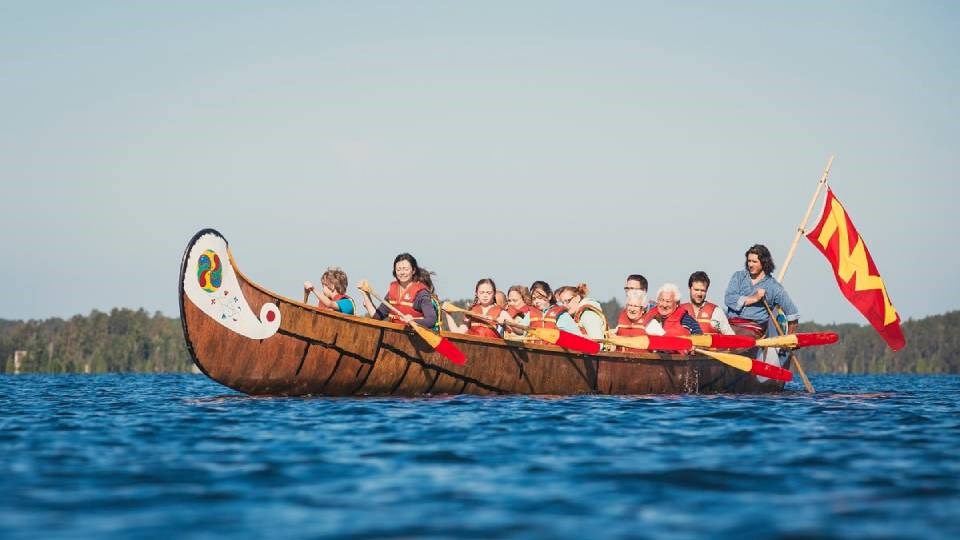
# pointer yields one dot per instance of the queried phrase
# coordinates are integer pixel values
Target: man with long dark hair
(752, 290)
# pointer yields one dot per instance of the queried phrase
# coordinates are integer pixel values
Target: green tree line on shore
(125, 340)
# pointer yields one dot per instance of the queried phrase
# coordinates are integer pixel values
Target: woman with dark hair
(749, 289)
(484, 303)
(407, 293)
(545, 312)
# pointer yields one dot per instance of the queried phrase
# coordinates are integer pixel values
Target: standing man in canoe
(752, 291)
(709, 316)
(408, 294)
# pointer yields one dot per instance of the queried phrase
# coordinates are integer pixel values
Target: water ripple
(120, 456)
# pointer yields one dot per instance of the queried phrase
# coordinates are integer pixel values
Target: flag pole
(801, 230)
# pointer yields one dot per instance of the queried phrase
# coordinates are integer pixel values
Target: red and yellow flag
(838, 240)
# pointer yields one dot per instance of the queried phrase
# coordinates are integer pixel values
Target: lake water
(179, 456)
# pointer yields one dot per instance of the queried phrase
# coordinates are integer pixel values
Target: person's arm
(593, 324)
(720, 322)
(453, 326)
(423, 304)
(565, 323)
(690, 324)
(733, 297)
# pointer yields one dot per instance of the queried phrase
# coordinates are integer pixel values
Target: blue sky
(566, 141)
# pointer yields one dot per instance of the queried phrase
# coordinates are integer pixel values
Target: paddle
(721, 341)
(796, 361)
(745, 363)
(439, 344)
(651, 343)
(555, 336)
(802, 339)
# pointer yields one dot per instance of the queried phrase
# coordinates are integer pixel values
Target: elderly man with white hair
(665, 319)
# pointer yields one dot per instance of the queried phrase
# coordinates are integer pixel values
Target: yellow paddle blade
(432, 339)
(701, 340)
(633, 342)
(742, 363)
(447, 306)
(550, 335)
(789, 340)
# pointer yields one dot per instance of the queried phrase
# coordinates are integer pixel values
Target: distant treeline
(135, 341)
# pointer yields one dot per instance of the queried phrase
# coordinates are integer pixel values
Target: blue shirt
(740, 288)
(345, 306)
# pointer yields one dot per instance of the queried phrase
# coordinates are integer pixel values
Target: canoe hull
(292, 349)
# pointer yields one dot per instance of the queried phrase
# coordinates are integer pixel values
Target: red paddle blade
(770, 371)
(669, 343)
(577, 343)
(816, 338)
(451, 352)
(722, 341)
(441, 345)
(566, 340)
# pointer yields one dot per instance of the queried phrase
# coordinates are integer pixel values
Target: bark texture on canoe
(257, 342)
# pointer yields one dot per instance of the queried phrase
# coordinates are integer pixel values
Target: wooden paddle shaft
(807, 385)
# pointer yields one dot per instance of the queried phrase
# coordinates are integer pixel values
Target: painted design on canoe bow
(210, 283)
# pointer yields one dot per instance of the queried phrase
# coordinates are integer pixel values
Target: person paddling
(484, 303)
(407, 293)
(586, 311)
(332, 294)
(547, 314)
(752, 290)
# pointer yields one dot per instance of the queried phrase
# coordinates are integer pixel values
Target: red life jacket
(547, 319)
(704, 317)
(403, 300)
(338, 298)
(671, 325)
(476, 327)
(589, 307)
(519, 313)
(628, 328)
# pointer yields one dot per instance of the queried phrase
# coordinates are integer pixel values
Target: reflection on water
(180, 456)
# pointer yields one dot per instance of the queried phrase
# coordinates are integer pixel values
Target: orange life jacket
(403, 300)
(476, 327)
(545, 319)
(704, 317)
(671, 325)
(628, 328)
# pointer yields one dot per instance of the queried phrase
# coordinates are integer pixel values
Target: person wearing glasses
(667, 319)
(586, 311)
(484, 296)
(546, 313)
(709, 316)
(631, 323)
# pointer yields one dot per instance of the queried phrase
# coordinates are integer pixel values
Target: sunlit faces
(632, 286)
(634, 310)
(515, 300)
(485, 294)
(666, 303)
(698, 293)
(328, 289)
(570, 301)
(754, 266)
(540, 299)
(404, 271)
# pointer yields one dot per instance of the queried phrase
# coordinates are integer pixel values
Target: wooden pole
(801, 230)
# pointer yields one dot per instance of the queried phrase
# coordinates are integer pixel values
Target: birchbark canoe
(258, 342)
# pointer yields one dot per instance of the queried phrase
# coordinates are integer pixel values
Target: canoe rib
(292, 348)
